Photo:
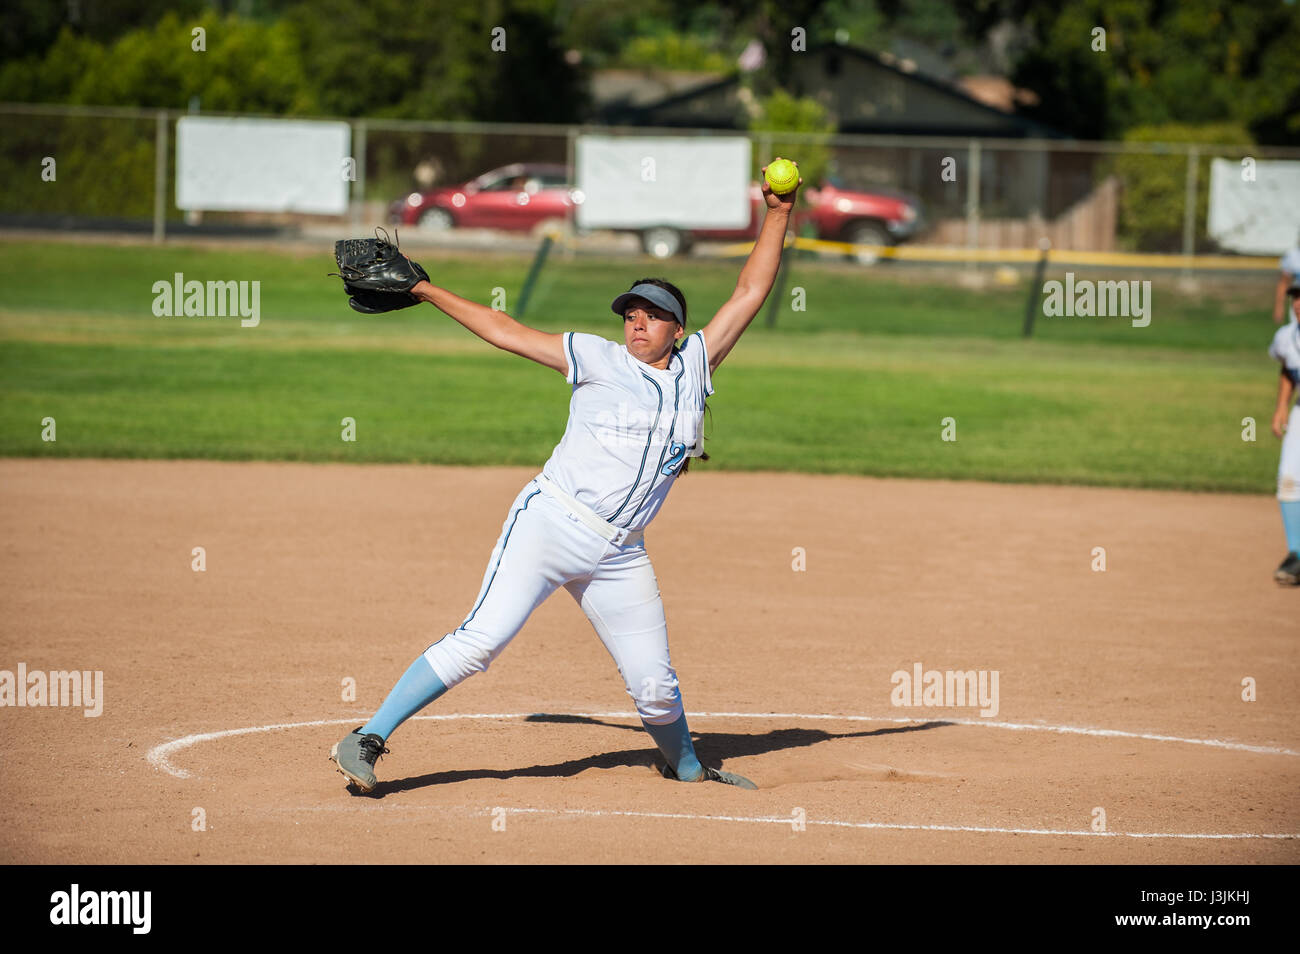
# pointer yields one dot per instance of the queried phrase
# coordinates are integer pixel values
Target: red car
(522, 196)
(835, 213)
(518, 197)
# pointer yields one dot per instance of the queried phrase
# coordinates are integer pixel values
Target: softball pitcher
(635, 418)
(1286, 425)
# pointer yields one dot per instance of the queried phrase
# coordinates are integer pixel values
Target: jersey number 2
(675, 461)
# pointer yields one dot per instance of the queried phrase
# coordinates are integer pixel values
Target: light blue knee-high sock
(1291, 524)
(418, 687)
(674, 741)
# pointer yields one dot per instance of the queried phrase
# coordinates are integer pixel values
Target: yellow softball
(782, 176)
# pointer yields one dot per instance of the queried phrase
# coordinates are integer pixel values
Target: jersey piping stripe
(646, 451)
(675, 353)
(677, 394)
(500, 555)
(573, 361)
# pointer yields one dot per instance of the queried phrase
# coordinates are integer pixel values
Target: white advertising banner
(1255, 207)
(689, 182)
(262, 165)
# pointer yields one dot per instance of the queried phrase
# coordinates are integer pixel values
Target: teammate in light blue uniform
(634, 420)
(1288, 274)
(1286, 425)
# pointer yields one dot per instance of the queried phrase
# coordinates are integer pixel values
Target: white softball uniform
(579, 524)
(631, 426)
(1286, 349)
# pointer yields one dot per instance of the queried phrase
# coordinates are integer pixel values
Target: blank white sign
(689, 182)
(1254, 208)
(262, 165)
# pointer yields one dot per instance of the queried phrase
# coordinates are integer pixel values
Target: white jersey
(1286, 348)
(631, 426)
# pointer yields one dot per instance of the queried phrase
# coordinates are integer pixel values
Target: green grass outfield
(857, 383)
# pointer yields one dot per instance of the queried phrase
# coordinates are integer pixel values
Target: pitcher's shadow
(712, 748)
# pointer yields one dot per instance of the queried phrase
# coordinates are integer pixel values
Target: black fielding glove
(376, 276)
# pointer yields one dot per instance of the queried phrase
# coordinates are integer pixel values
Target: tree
(1152, 204)
(1191, 61)
(28, 28)
(780, 113)
(245, 67)
(427, 59)
(773, 22)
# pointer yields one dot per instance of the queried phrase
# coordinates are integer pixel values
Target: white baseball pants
(544, 546)
(1288, 468)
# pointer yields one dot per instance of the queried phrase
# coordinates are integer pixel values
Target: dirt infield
(317, 574)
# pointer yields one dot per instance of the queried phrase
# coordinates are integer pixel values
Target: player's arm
(756, 278)
(1279, 299)
(497, 328)
(1285, 391)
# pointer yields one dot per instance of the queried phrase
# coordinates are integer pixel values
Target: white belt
(615, 535)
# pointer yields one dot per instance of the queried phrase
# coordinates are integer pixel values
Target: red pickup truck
(522, 196)
(834, 212)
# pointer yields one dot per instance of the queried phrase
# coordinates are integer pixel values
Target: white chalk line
(159, 755)
(774, 820)
(782, 821)
(159, 758)
(889, 826)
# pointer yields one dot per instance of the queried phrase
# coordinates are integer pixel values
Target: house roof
(902, 101)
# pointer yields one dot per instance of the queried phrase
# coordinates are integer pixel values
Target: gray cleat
(715, 775)
(1288, 574)
(355, 757)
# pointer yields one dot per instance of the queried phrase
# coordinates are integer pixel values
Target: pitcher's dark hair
(681, 300)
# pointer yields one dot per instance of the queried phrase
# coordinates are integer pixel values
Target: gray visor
(653, 294)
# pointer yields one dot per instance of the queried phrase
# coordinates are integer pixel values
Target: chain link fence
(109, 168)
